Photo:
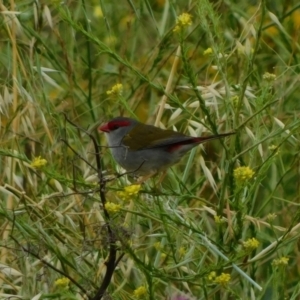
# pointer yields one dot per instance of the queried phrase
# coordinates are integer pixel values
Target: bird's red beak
(104, 128)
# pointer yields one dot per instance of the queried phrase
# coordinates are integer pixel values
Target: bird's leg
(162, 177)
(146, 177)
(142, 179)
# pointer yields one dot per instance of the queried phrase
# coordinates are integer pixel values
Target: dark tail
(212, 137)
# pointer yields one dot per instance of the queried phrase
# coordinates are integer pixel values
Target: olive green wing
(145, 136)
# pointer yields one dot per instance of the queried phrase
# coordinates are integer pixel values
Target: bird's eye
(113, 126)
(117, 124)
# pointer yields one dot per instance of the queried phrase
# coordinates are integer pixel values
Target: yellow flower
(98, 12)
(62, 282)
(157, 246)
(112, 207)
(163, 256)
(211, 276)
(273, 148)
(269, 77)
(140, 292)
(271, 217)
(132, 189)
(282, 261)
(116, 90)
(122, 195)
(38, 162)
(208, 51)
(129, 192)
(222, 279)
(182, 251)
(243, 174)
(219, 219)
(251, 244)
(183, 21)
(111, 41)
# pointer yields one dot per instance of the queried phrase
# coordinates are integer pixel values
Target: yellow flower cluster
(129, 191)
(183, 21)
(140, 292)
(222, 279)
(157, 246)
(111, 41)
(116, 90)
(211, 276)
(271, 217)
(208, 51)
(274, 147)
(242, 174)
(282, 261)
(38, 162)
(269, 77)
(112, 207)
(163, 256)
(251, 244)
(182, 251)
(62, 282)
(98, 11)
(219, 219)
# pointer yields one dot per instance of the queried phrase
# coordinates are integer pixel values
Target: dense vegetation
(223, 224)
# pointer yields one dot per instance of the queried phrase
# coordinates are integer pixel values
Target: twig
(112, 261)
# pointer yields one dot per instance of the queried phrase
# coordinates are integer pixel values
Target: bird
(145, 150)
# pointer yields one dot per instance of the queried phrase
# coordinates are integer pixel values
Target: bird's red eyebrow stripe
(118, 123)
(110, 125)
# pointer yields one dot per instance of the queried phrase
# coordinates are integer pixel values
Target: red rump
(177, 146)
(197, 140)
